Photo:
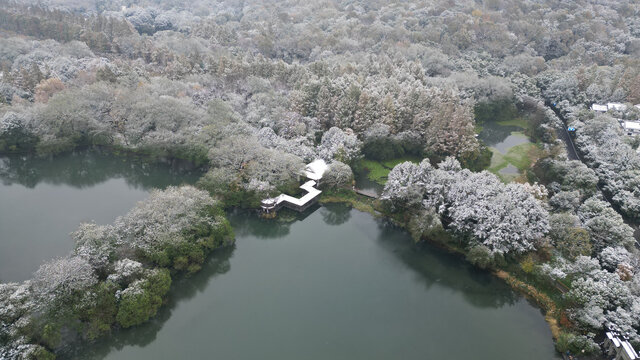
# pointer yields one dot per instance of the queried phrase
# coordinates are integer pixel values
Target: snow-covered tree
(605, 226)
(341, 145)
(338, 175)
(61, 278)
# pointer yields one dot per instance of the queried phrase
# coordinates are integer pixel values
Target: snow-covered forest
(251, 91)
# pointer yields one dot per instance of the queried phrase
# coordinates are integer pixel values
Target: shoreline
(542, 301)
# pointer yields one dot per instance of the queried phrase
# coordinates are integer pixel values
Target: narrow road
(565, 136)
(572, 154)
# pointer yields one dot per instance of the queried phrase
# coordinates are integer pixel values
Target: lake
(332, 283)
(335, 284)
(43, 200)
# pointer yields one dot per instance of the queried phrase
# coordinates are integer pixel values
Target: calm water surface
(337, 284)
(363, 183)
(43, 200)
(514, 139)
(502, 137)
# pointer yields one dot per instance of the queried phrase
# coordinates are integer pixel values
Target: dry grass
(544, 301)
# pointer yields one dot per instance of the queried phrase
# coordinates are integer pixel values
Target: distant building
(616, 344)
(631, 127)
(616, 106)
(610, 106)
(599, 108)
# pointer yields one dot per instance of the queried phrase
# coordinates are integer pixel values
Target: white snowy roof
(616, 106)
(622, 345)
(616, 342)
(315, 169)
(632, 125)
(597, 107)
(631, 353)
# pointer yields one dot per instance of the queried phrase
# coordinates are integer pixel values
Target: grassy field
(377, 171)
(521, 156)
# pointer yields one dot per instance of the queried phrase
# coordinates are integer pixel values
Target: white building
(631, 127)
(599, 108)
(610, 106)
(315, 169)
(616, 106)
(617, 345)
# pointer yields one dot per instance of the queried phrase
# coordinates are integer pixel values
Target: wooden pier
(367, 193)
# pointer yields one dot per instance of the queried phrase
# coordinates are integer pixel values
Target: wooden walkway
(299, 204)
(367, 193)
(314, 172)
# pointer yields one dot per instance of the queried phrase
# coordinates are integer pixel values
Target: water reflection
(359, 290)
(182, 290)
(335, 215)
(88, 168)
(435, 266)
(514, 139)
(509, 170)
(42, 200)
(363, 183)
(493, 133)
(248, 223)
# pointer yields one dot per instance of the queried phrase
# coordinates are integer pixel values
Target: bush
(576, 344)
(42, 354)
(102, 315)
(495, 111)
(14, 135)
(383, 149)
(528, 264)
(478, 160)
(575, 243)
(425, 224)
(51, 335)
(188, 250)
(141, 300)
(136, 307)
(480, 256)
(225, 186)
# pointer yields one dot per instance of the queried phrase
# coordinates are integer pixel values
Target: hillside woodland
(250, 91)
